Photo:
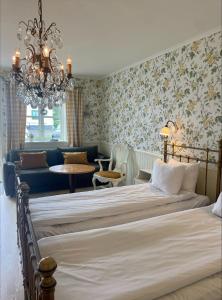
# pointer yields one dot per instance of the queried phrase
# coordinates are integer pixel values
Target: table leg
(72, 183)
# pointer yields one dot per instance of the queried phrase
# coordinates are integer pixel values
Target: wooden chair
(114, 176)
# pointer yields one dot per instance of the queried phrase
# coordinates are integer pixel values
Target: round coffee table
(72, 170)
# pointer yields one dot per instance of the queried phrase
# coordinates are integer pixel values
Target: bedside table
(143, 176)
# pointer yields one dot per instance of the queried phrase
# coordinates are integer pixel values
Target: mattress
(175, 256)
(96, 209)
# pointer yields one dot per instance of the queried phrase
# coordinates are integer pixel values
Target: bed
(107, 207)
(75, 212)
(165, 257)
(39, 283)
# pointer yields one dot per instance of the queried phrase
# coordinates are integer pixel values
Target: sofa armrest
(101, 156)
(9, 178)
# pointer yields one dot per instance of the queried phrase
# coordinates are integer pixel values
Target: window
(46, 128)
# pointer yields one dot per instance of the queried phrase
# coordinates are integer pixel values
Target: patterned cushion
(33, 160)
(75, 158)
(109, 174)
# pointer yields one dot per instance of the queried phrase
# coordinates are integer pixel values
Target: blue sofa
(42, 180)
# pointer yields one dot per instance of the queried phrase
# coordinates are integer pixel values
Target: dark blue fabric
(52, 157)
(42, 180)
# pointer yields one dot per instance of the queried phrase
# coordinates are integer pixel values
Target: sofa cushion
(33, 160)
(42, 180)
(75, 158)
(52, 157)
(92, 152)
(35, 171)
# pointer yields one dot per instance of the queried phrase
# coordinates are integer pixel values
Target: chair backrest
(119, 155)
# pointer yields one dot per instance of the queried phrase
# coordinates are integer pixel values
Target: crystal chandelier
(40, 77)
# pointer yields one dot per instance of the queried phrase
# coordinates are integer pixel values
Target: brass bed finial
(46, 268)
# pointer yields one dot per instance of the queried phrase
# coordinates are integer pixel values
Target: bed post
(165, 150)
(219, 167)
(25, 193)
(46, 268)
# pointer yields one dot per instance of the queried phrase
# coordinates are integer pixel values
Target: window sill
(45, 145)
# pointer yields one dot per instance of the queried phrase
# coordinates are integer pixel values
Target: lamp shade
(165, 131)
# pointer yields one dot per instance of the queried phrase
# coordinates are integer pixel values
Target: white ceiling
(103, 36)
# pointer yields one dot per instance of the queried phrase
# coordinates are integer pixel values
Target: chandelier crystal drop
(40, 78)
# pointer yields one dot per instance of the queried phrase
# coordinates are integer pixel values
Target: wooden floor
(10, 272)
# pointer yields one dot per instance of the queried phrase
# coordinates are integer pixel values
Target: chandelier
(40, 78)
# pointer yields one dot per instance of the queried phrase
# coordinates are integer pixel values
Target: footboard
(38, 280)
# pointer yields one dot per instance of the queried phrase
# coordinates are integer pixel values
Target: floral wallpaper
(183, 85)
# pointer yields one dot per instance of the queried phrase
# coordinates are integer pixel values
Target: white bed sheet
(166, 257)
(209, 288)
(44, 231)
(81, 211)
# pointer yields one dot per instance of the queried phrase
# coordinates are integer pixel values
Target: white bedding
(44, 231)
(142, 260)
(94, 209)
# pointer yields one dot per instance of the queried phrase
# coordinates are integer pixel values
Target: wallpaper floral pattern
(183, 85)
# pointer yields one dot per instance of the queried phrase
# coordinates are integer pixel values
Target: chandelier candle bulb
(46, 52)
(17, 58)
(62, 71)
(13, 60)
(17, 53)
(69, 66)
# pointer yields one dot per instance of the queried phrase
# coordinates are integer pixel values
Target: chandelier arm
(30, 25)
(36, 23)
(49, 30)
(23, 23)
(32, 50)
(51, 59)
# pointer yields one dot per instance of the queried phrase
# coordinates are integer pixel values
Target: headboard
(170, 149)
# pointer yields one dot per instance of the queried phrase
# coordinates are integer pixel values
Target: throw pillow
(190, 176)
(167, 178)
(75, 158)
(217, 208)
(33, 160)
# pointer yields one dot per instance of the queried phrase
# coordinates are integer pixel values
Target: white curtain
(12, 119)
(16, 119)
(3, 122)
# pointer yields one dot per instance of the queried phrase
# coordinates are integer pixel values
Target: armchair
(114, 176)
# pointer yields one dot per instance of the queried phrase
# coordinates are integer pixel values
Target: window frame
(40, 118)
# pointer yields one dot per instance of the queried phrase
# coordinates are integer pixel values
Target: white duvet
(141, 260)
(75, 208)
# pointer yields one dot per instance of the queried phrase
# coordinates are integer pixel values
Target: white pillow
(190, 176)
(167, 178)
(217, 208)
